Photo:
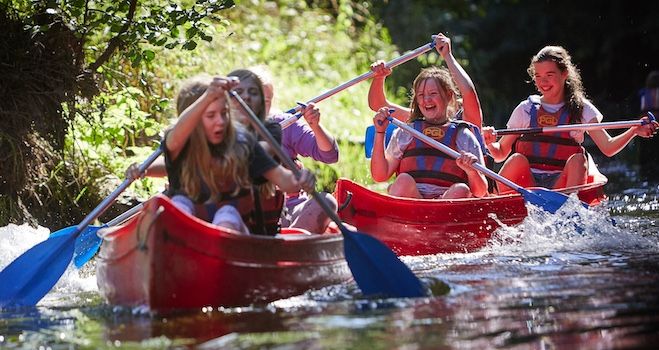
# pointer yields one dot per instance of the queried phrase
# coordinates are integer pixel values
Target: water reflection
(579, 279)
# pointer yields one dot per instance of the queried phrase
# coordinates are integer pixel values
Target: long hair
(267, 190)
(447, 89)
(223, 167)
(245, 74)
(574, 90)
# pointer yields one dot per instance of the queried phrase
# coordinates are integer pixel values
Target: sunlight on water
(16, 240)
(572, 228)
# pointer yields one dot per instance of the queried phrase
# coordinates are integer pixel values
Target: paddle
(376, 269)
(391, 64)
(88, 242)
(546, 199)
(583, 127)
(369, 137)
(28, 278)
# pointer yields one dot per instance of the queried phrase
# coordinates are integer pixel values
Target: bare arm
(611, 145)
(472, 106)
(477, 181)
(188, 120)
(382, 167)
(324, 141)
(376, 95)
(286, 181)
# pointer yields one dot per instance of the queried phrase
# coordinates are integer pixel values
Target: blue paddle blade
(369, 138)
(546, 199)
(87, 244)
(377, 270)
(28, 278)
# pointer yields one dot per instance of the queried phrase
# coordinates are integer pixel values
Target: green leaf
(148, 55)
(190, 45)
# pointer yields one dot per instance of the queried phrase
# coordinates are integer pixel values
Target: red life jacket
(547, 151)
(429, 165)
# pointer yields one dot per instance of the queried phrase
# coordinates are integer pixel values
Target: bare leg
(404, 186)
(309, 215)
(458, 190)
(517, 170)
(575, 172)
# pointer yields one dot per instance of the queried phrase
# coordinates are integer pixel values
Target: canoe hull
(420, 226)
(165, 259)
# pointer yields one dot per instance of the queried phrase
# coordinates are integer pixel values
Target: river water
(587, 281)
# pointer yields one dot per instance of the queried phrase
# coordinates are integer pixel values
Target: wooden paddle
(376, 269)
(30, 276)
(391, 64)
(546, 199)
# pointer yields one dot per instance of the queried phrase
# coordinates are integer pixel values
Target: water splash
(572, 228)
(74, 284)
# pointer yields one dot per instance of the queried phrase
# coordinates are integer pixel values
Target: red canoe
(430, 226)
(165, 259)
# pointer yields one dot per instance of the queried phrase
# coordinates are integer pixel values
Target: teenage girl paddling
(472, 108)
(424, 172)
(210, 159)
(306, 138)
(554, 160)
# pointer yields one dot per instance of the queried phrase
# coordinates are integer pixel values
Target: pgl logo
(434, 132)
(547, 120)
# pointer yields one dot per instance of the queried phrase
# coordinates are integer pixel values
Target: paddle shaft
(107, 202)
(440, 146)
(391, 64)
(568, 127)
(263, 132)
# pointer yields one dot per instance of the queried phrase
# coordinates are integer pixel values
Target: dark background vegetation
(45, 72)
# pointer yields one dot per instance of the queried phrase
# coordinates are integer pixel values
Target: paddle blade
(546, 199)
(87, 245)
(28, 278)
(377, 270)
(369, 138)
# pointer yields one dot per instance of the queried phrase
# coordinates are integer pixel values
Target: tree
(53, 55)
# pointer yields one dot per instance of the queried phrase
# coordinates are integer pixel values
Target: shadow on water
(578, 279)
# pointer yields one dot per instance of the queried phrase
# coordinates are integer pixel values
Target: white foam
(16, 240)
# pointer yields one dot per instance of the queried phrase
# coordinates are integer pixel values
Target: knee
(330, 200)
(404, 180)
(458, 190)
(229, 217)
(183, 203)
(577, 162)
(517, 160)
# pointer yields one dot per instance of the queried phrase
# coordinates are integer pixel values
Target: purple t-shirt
(299, 140)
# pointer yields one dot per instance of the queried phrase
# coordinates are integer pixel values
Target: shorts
(546, 180)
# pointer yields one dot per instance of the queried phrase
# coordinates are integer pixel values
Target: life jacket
(547, 151)
(487, 157)
(267, 211)
(429, 165)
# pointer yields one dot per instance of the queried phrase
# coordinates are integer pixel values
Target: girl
(556, 160)
(308, 139)
(424, 172)
(470, 103)
(210, 161)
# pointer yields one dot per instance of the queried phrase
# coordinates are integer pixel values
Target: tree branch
(116, 40)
